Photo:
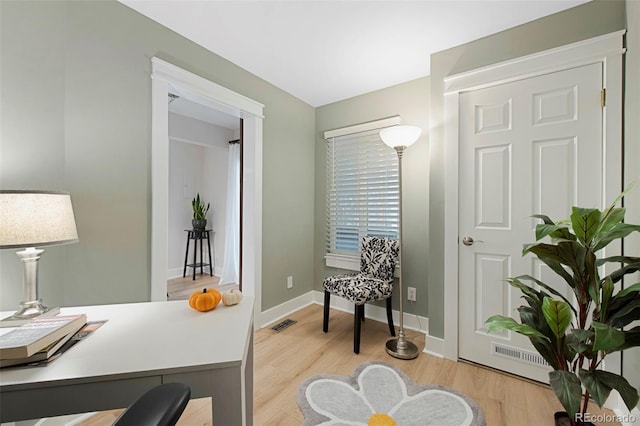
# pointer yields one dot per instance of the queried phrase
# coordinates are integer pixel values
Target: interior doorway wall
(198, 164)
(165, 75)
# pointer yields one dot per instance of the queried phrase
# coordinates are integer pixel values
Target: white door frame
(606, 50)
(165, 75)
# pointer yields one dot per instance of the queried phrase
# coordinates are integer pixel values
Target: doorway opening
(205, 161)
(166, 76)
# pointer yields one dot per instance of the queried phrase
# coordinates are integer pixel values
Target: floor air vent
(282, 325)
(518, 354)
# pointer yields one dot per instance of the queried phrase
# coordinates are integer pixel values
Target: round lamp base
(30, 309)
(405, 351)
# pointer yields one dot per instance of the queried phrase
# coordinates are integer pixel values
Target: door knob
(468, 241)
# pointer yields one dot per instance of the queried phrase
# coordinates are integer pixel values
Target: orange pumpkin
(205, 300)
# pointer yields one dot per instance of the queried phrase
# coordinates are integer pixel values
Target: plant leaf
(629, 312)
(618, 259)
(548, 288)
(585, 223)
(556, 232)
(548, 253)
(607, 292)
(591, 276)
(580, 341)
(535, 319)
(598, 389)
(557, 313)
(626, 269)
(606, 338)
(568, 389)
(631, 338)
(623, 306)
(632, 288)
(573, 254)
(620, 230)
(628, 393)
(546, 219)
(500, 322)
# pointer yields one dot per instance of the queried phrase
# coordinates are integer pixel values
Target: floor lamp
(399, 138)
(30, 219)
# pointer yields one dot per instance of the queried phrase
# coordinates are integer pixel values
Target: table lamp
(399, 138)
(30, 219)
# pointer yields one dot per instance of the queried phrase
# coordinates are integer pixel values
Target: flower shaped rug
(380, 394)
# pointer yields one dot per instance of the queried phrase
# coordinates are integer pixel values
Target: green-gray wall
(411, 102)
(76, 116)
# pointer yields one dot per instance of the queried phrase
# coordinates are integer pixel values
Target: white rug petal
(434, 407)
(382, 387)
(337, 401)
(378, 387)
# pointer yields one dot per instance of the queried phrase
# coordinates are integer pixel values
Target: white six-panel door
(526, 147)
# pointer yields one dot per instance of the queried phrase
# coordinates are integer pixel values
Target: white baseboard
(276, 313)
(177, 272)
(376, 313)
(434, 346)
(174, 273)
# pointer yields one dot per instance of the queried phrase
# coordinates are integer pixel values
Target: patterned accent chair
(374, 282)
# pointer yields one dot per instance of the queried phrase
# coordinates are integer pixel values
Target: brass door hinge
(603, 98)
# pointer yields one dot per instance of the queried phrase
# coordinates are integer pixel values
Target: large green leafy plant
(574, 336)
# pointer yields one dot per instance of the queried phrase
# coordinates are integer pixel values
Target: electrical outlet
(411, 294)
(290, 281)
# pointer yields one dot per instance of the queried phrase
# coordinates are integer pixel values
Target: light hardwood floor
(181, 288)
(283, 360)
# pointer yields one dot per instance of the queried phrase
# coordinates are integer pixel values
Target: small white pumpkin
(231, 297)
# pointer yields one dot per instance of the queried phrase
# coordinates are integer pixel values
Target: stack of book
(38, 339)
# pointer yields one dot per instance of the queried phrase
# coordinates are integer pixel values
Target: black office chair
(160, 406)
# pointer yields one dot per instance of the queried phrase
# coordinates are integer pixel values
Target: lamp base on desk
(27, 312)
(32, 306)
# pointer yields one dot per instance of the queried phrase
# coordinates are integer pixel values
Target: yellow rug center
(381, 420)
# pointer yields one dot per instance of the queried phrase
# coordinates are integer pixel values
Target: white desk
(142, 345)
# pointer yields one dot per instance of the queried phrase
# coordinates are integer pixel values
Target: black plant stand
(197, 235)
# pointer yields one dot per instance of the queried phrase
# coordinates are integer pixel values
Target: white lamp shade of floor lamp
(30, 219)
(399, 138)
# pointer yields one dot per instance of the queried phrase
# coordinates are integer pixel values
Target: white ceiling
(325, 51)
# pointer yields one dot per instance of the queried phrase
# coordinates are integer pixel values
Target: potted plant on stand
(574, 336)
(199, 221)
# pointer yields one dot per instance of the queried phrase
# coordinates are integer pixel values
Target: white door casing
(526, 147)
(165, 75)
(606, 50)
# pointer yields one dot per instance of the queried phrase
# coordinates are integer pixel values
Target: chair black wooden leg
(363, 313)
(392, 329)
(325, 319)
(357, 325)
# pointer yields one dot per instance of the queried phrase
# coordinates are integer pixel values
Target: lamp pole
(400, 347)
(399, 138)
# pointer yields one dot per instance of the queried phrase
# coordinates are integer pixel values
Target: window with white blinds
(362, 191)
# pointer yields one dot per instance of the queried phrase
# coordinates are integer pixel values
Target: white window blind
(362, 191)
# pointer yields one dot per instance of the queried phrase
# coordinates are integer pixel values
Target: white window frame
(342, 260)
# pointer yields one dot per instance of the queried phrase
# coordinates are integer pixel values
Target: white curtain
(231, 268)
